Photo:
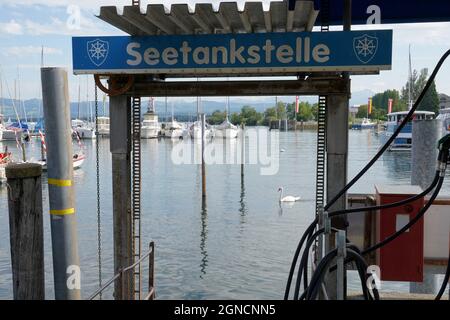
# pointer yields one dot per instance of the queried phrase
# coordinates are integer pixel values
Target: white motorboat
(83, 129)
(403, 142)
(5, 133)
(195, 131)
(5, 159)
(78, 160)
(173, 130)
(150, 125)
(103, 126)
(226, 130)
(444, 115)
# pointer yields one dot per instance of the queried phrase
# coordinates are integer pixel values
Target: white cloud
(11, 27)
(22, 51)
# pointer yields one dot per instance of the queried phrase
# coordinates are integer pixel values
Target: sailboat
(6, 134)
(173, 129)
(195, 130)
(81, 128)
(5, 159)
(77, 159)
(226, 130)
(403, 142)
(150, 125)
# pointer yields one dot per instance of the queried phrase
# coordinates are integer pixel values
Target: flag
(391, 101)
(369, 106)
(296, 104)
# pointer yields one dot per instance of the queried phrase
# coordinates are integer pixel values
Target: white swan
(287, 198)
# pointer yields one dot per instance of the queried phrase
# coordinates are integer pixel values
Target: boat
(150, 125)
(103, 126)
(78, 160)
(226, 130)
(364, 125)
(403, 142)
(7, 133)
(444, 115)
(195, 131)
(5, 159)
(173, 130)
(82, 129)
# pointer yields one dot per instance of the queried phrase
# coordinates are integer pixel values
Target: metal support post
(341, 255)
(203, 156)
(66, 265)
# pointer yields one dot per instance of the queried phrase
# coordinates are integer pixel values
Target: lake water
(239, 247)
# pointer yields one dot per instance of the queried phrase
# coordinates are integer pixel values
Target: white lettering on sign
(375, 14)
(303, 52)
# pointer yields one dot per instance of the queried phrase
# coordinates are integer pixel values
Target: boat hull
(226, 133)
(149, 133)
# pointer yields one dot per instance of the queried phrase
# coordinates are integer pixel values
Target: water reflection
(203, 238)
(242, 207)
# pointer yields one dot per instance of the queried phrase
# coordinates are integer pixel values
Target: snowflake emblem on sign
(98, 51)
(365, 48)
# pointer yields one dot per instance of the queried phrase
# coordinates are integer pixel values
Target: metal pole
(26, 230)
(425, 135)
(203, 156)
(66, 265)
(341, 254)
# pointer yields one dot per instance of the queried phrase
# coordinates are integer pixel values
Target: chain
(99, 228)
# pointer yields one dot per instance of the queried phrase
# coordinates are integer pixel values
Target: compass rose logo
(98, 51)
(365, 48)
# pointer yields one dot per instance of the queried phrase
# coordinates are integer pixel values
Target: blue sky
(26, 25)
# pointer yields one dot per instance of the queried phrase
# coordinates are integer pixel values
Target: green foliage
(380, 101)
(418, 82)
(217, 117)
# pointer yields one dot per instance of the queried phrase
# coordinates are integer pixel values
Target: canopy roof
(178, 19)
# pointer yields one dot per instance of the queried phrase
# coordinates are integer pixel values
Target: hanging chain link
(99, 228)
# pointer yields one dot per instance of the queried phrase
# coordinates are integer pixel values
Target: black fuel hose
(309, 231)
(389, 205)
(396, 133)
(446, 278)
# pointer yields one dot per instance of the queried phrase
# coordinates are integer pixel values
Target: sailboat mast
(410, 103)
(79, 100)
(1, 94)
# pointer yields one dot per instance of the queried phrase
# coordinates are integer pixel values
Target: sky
(27, 25)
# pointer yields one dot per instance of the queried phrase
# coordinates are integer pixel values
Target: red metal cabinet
(402, 259)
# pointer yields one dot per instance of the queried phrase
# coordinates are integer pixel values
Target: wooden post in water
(26, 230)
(203, 156)
(242, 149)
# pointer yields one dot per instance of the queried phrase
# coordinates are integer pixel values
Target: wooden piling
(203, 156)
(26, 230)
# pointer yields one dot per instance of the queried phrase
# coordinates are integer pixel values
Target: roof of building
(179, 19)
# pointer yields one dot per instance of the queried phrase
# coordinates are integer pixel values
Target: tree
(381, 101)
(269, 115)
(217, 117)
(418, 82)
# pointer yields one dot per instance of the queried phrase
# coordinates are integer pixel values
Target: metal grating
(178, 19)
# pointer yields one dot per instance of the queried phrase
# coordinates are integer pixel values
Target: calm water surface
(238, 246)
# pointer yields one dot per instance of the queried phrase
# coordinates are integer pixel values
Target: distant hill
(33, 107)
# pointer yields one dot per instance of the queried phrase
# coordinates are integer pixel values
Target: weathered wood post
(203, 156)
(26, 230)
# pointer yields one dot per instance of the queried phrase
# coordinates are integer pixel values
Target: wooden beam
(311, 86)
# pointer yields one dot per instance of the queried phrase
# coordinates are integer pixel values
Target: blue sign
(386, 11)
(262, 53)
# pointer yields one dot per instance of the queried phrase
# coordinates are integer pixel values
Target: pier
(396, 231)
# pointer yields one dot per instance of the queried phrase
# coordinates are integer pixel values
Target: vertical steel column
(66, 265)
(120, 146)
(136, 203)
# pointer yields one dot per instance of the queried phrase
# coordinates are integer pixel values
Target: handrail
(121, 273)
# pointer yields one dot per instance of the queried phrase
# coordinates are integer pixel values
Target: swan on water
(287, 198)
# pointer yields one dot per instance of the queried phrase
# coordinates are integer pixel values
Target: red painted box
(402, 259)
